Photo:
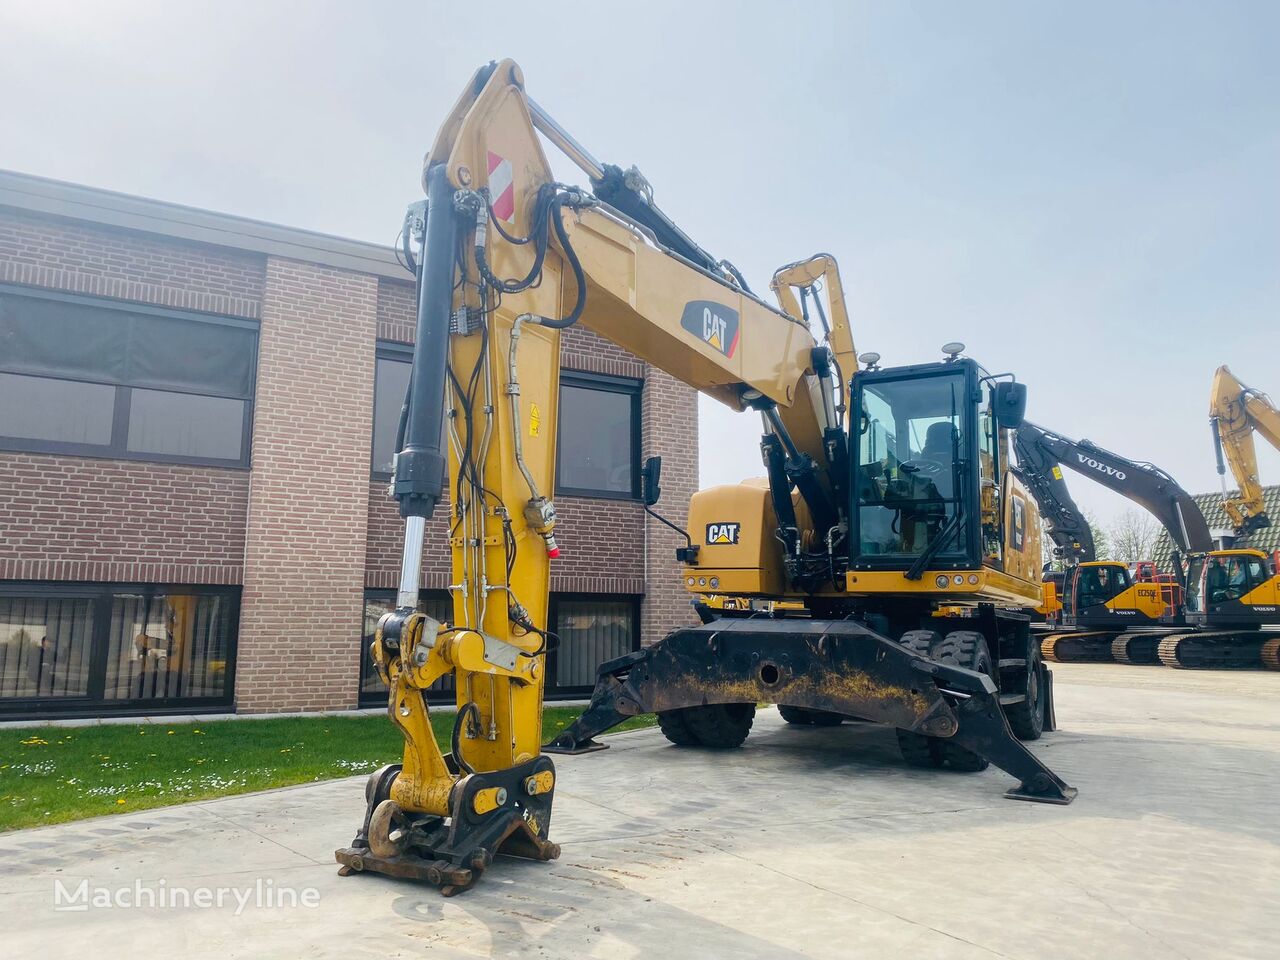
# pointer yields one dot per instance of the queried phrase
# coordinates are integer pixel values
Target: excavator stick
(836, 667)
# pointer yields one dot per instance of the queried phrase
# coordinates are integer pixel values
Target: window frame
(385, 350)
(968, 493)
(378, 698)
(117, 448)
(605, 383)
(554, 691)
(94, 703)
(551, 691)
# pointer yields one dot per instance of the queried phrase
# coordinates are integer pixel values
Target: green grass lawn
(55, 774)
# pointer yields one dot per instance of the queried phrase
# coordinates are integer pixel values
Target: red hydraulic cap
(553, 553)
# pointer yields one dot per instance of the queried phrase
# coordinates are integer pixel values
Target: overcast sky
(1086, 194)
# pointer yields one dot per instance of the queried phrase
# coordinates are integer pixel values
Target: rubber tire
(964, 648)
(804, 717)
(720, 726)
(917, 749)
(675, 728)
(1026, 719)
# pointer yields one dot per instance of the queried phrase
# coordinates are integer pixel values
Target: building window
(104, 379)
(378, 603)
(591, 629)
(599, 440)
(95, 647)
(390, 385)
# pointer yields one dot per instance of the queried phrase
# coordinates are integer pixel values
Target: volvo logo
(1101, 467)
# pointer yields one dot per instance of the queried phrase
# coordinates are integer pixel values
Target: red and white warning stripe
(502, 188)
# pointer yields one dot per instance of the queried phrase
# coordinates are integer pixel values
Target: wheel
(387, 834)
(675, 728)
(802, 716)
(720, 725)
(1026, 719)
(921, 642)
(964, 648)
(917, 749)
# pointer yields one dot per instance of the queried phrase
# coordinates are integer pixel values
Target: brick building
(196, 420)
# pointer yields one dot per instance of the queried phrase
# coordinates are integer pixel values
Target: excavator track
(1093, 647)
(1138, 647)
(1220, 649)
(1271, 654)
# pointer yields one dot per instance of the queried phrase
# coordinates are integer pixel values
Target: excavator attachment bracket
(501, 812)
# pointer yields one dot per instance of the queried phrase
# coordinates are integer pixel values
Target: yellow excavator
(1236, 412)
(885, 499)
(1232, 595)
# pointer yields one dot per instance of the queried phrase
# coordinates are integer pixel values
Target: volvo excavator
(1206, 613)
(884, 501)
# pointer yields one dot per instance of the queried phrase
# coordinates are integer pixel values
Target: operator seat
(939, 446)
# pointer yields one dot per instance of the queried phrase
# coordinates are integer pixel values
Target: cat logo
(713, 323)
(723, 532)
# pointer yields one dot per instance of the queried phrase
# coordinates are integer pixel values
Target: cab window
(911, 466)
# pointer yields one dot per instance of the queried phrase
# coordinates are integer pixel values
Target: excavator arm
(509, 259)
(1236, 412)
(1067, 525)
(1145, 484)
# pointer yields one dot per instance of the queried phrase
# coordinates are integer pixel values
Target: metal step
(1010, 662)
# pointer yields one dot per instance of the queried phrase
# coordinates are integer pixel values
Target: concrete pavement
(805, 843)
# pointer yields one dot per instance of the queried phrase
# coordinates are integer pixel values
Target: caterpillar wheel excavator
(1209, 613)
(864, 526)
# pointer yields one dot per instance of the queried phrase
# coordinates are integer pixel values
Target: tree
(1133, 536)
(1102, 548)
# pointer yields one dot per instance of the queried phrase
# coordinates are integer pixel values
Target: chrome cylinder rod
(411, 562)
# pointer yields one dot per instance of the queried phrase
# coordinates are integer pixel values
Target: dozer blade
(835, 666)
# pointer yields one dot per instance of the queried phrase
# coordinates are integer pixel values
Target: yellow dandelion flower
(120, 801)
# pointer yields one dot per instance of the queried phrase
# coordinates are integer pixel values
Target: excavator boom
(1236, 412)
(1143, 483)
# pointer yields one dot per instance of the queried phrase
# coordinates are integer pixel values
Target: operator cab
(925, 447)
(1095, 583)
(1230, 587)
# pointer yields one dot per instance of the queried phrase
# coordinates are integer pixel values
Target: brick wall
(302, 604)
(305, 531)
(669, 421)
(106, 262)
(71, 518)
(397, 312)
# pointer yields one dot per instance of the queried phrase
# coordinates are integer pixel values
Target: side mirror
(1010, 404)
(649, 476)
